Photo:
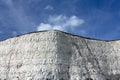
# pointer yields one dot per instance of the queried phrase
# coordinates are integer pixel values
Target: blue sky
(98, 19)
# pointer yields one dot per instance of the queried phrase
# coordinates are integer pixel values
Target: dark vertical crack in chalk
(94, 57)
(80, 53)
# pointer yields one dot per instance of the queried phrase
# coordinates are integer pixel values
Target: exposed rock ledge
(55, 55)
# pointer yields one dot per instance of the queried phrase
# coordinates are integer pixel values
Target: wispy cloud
(8, 2)
(49, 7)
(18, 16)
(61, 22)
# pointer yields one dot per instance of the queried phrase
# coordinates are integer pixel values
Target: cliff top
(63, 33)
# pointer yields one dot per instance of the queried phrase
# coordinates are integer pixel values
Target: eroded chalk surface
(54, 55)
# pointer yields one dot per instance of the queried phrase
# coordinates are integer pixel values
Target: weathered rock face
(54, 55)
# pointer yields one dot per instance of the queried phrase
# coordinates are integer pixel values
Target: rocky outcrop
(56, 55)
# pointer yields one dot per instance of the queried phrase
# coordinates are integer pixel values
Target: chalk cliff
(56, 55)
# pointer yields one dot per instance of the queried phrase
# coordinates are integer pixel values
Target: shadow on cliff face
(74, 58)
(95, 58)
(87, 63)
(63, 56)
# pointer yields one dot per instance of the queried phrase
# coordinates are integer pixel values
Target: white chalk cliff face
(55, 55)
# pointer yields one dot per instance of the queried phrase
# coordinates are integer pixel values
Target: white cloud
(61, 22)
(43, 26)
(49, 7)
(74, 21)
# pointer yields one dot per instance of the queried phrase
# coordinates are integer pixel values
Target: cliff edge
(56, 55)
